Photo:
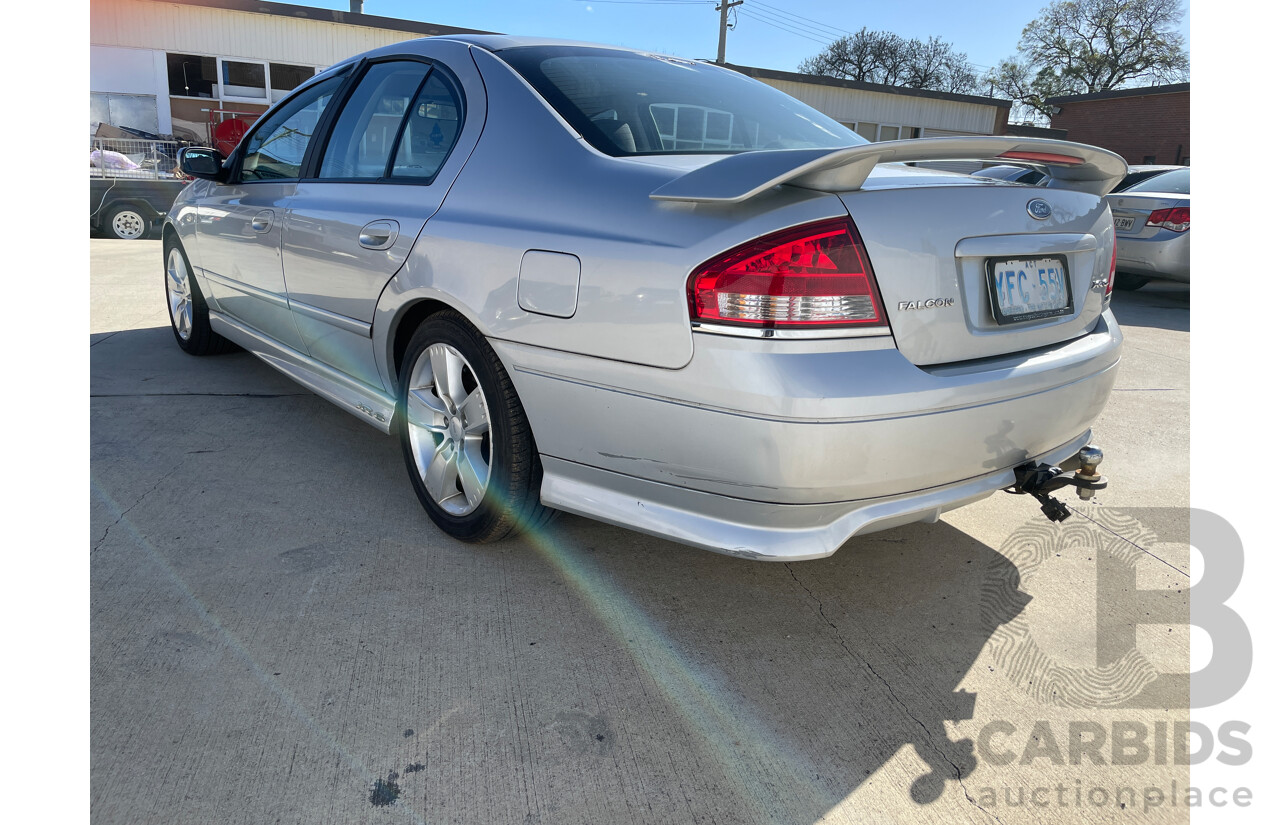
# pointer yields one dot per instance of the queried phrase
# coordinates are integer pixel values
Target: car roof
(499, 42)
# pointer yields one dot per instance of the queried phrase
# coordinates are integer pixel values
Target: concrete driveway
(279, 634)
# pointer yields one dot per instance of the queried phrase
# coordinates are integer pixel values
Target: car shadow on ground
(264, 582)
(1161, 304)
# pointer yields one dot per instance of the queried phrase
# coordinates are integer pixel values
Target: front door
(351, 227)
(240, 223)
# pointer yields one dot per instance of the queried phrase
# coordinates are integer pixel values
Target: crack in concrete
(928, 738)
(128, 509)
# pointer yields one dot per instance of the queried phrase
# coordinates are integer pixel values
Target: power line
(784, 27)
(651, 2)
(799, 18)
(793, 27)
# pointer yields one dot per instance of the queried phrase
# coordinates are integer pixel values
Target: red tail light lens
(812, 276)
(1111, 276)
(1178, 219)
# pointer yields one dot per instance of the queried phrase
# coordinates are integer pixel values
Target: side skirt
(372, 406)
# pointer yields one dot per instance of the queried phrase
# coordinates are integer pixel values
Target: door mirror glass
(202, 162)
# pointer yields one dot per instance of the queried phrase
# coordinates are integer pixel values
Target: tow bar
(1040, 480)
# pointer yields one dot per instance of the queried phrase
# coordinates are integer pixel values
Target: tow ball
(1040, 480)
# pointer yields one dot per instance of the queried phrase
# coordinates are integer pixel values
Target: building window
(134, 111)
(692, 128)
(191, 75)
(244, 80)
(286, 78)
(879, 131)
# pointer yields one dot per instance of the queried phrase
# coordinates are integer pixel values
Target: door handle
(262, 221)
(379, 234)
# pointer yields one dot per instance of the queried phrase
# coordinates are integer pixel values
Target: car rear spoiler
(738, 177)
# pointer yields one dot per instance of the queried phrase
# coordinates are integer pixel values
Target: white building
(879, 112)
(175, 66)
(178, 66)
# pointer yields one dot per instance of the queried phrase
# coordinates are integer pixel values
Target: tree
(1085, 46)
(886, 58)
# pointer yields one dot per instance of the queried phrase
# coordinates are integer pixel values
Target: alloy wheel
(177, 284)
(448, 423)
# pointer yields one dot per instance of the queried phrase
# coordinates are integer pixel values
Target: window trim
(315, 152)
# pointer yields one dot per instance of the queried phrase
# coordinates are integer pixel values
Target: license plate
(1026, 289)
(1123, 224)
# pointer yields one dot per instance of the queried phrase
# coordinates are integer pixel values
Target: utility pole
(723, 8)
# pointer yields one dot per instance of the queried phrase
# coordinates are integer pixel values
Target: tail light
(1178, 218)
(1111, 276)
(815, 276)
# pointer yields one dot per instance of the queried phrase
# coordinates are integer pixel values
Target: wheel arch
(145, 209)
(406, 321)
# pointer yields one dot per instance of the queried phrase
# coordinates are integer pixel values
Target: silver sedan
(1153, 229)
(654, 292)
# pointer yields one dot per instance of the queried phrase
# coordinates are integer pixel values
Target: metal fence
(134, 158)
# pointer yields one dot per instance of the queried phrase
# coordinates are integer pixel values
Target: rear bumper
(757, 530)
(783, 450)
(1166, 254)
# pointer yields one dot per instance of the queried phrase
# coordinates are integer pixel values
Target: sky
(770, 34)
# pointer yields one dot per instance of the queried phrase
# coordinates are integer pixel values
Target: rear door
(239, 224)
(394, 149)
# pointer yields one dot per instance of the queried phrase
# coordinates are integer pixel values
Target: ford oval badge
(1039, 209)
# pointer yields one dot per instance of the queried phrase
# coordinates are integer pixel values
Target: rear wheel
(127, 223)
(188, 313)
(1129, 282)
(466, 441)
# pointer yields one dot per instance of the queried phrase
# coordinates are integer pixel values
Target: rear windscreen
(1177, 182)
(625, 103)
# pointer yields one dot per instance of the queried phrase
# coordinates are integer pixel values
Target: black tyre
(188, 313)
(466, 441)
(127, 223)
(1129, 282)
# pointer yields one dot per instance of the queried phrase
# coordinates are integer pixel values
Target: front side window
(627, 103)
(275, 149)
(365, 133)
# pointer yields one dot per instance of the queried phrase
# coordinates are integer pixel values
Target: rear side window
(275, 149)
(430, 131)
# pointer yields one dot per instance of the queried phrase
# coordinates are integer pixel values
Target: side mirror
(202, 162)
